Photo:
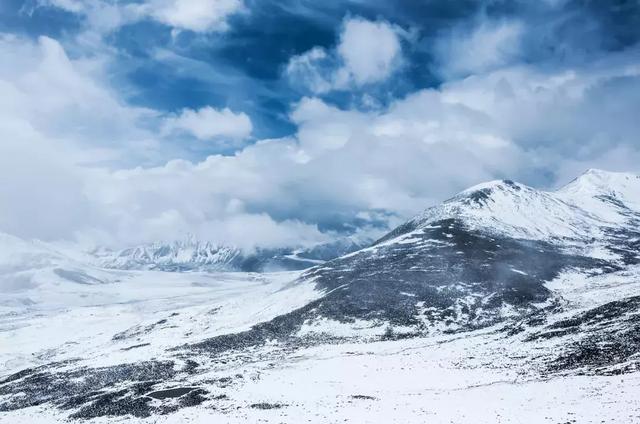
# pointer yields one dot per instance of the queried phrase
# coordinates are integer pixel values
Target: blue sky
(293, 122)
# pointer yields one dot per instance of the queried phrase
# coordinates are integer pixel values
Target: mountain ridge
(579, 211)
(192, 254)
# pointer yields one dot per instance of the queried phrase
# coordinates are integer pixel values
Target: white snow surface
(156, 310)
(472, 377)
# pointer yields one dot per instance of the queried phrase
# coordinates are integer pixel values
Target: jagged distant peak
(193, 254)
(189, 253)
(190, 241)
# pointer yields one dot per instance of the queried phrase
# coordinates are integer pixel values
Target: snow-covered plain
(477, 377)
(437, 381)
(152, 311)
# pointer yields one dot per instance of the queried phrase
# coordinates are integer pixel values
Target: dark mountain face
(445, 272)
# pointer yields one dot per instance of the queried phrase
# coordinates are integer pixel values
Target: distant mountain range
(192, 254)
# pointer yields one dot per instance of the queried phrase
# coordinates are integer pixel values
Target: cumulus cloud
(367, 52)
(60, 125)
(209, 123)
(307, 184)
(65, 101)
(41, 190)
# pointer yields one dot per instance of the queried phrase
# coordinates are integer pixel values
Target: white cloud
(312, 69)
(208, 123)
(421, 149)
(59, 124)
(368, 52)
(75, 6)
(341, 166)
(65, 101)
(485, 47)
(193, 15)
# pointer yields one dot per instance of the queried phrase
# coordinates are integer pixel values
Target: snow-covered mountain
(192, 254)
(486, 252)
(586, 208)
(501, 292)
(187, 255)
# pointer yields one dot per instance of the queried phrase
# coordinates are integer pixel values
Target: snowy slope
(36, 273)
(609, 195)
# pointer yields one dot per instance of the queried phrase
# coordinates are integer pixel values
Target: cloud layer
(81, 161)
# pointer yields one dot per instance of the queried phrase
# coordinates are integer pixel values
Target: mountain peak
(485, 190)
(595, 174)
(597, 171)
(596, 182)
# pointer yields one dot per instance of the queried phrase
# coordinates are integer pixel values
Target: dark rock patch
(363, 397)
(115, 404)
(604, 336)
(87, 388)
(193, 398)
(603, 316)
(265, 405)
(171, 393)
(135, 346)
(190, 366)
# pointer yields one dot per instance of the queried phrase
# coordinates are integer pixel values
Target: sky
(281, 123)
